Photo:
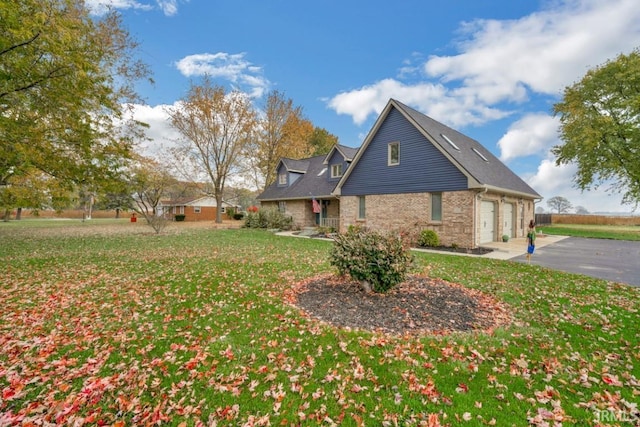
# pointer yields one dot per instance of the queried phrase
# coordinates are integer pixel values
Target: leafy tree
(216, 128)
(600, 127)
(559, 204)
(283, 132)
(64, 78)
(322, 141)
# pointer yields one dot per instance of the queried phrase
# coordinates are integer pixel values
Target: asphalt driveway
(614, 260)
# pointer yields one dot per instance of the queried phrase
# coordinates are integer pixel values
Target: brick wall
(302, 213)
(299, 210)
(411, 213)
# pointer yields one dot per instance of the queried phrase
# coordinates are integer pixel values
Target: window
(451, 143)
(282, 206)
(482, 156)
(393, 154)
(196, 209)
(362, 208)
(336, 170)
(436, 206)
(282, 179)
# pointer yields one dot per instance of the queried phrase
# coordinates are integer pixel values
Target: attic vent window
(480, 154)
(451, 143)
(322, 172)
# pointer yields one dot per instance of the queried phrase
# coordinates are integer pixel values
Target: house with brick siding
(411, 173)
(193, 208)
(304, 188)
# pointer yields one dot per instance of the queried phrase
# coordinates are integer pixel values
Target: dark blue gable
(423, 168)
(336, 158)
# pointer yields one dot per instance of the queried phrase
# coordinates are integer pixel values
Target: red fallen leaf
(462, 388)
(612, 380)
(433, 421)
(228, 353)
(8, 393)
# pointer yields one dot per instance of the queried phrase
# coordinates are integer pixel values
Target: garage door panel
(487, 222)
(508, 219)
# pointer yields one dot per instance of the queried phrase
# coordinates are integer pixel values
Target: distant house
(411, 173)
(193, 208)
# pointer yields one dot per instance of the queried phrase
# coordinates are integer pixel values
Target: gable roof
(482, 168)
(292, 165)
(347, 152)
(312, 183)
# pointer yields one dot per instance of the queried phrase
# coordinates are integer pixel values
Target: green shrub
(268, 218)
(180, 217)
(380, 260)
(238, 215)
(428, 238)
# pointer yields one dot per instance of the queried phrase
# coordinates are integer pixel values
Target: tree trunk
(19, 214)
(218, 207)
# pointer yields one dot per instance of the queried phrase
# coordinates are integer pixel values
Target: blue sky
(490, 69)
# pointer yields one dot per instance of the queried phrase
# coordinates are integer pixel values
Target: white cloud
(232, 67)
(100, 7)
(160, 133)
(432, 99)
(544, 51)
(535, 133)
(168, 7)
(551, 180)
(507, 61)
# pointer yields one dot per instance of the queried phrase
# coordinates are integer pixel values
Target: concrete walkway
(518, 246)
(501, 250)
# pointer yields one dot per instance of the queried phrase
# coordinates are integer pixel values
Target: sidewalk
(501, 250)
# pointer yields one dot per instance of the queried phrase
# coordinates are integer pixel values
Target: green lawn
(594, 231)
(108, 323)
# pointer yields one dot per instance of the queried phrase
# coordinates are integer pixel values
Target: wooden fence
(548, 219)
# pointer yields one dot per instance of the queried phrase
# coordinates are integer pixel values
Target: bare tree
(149, 182)
(560, 204)
(215, 128)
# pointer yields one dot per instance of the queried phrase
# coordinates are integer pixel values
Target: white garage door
(487, 222)
(508, 220)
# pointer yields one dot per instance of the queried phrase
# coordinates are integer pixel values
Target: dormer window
(393, 154)
(336, 170)
(282, 179)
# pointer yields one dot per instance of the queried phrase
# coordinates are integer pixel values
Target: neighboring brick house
(414, 173)
(193, 208)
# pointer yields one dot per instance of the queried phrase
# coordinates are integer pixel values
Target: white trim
(333, 170)
(390, 146)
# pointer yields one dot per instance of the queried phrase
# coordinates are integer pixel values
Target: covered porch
(326, 213)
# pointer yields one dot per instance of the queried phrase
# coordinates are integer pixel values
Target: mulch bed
(418, 305)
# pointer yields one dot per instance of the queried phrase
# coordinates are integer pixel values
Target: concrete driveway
(613, 260)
